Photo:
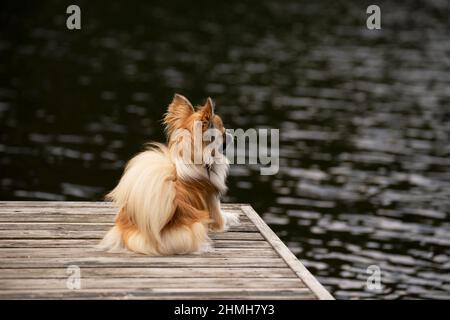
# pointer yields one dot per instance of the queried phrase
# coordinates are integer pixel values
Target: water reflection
(364, 170)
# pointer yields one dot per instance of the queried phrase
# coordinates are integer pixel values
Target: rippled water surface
(363, 117)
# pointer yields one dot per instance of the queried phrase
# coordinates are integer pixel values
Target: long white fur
(147, 191)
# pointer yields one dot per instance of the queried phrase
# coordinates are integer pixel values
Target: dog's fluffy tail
(146, 196)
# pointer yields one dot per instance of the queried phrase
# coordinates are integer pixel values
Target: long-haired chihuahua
(169, 195)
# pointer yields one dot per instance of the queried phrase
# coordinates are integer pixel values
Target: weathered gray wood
(120, 261)
(163, 294)
(82, 243)
(82, 204)
(67, 216)
(149, 272)
(245, 226)
(110, 212)
(39, 240)
(153, 283)
(82, 234)
(92, 252)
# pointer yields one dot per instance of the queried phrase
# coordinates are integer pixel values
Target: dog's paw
(231, 219)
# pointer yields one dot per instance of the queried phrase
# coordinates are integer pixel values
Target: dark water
(363, 116)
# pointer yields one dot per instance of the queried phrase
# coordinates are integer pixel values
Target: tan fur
(163, 211)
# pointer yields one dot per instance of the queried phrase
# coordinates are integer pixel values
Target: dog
(168, 201)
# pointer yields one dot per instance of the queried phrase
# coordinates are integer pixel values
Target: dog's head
(195, 128)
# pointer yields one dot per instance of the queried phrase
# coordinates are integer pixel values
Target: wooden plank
(81, 204)
(119, 261)
(82, 211)
(287, 255)
(82, 243)
(110, 211)
(70, 234)
(91, 226)
(94, 252)
(55, 217)
(56, 204)
(153, 283)
(163, 294)
(149, 272)
(68, 218)
(93, 217)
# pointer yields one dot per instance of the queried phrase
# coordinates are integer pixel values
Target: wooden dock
(44, 246)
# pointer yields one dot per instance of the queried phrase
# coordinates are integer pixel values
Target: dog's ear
(180, 106)
(178, 111)
(207, 111)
